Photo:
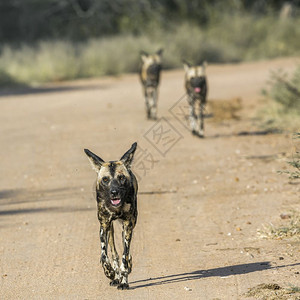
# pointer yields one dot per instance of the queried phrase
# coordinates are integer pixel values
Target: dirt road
(201, 201)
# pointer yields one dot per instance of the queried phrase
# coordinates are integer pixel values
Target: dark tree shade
(31, 20)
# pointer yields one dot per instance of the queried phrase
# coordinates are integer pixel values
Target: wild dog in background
(196, 88)
(150, 75)
(116, 190)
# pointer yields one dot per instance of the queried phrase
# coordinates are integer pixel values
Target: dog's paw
(114, 282)
(123, 286)
(198, 134)
(194, 132)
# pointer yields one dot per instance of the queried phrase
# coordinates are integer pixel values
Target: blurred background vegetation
(282, 102)
(53, 40)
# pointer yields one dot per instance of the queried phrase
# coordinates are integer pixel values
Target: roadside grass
(229, 38)
(272, 291)
(282, 101)
(52, 61)
(294, 174)
(225, 109)
(289, 230)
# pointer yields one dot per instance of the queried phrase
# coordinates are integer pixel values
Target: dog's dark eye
(121, 177)
(105, 180)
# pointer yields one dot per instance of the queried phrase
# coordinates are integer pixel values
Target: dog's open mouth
(197, 89)
(115, 201)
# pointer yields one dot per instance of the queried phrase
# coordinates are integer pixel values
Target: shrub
(226, 38)
(283, 105)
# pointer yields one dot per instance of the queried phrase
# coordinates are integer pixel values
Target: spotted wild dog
(196, 88)
(150, 74)
(116, 190)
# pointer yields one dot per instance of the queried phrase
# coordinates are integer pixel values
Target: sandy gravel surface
(201, 201)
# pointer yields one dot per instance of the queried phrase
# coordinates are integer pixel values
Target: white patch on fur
(195, 71)
(151, 59)
(121, 170)
(104, 172)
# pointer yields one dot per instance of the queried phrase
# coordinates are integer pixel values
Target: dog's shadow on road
(217, 272)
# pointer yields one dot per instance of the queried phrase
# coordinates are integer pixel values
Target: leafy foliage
(54, 40)
(33, 20)
(284, 91)
(283, 108)
(295, 163)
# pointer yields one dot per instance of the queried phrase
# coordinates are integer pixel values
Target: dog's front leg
(148, 108)
(108, 270)
(115, 256)
(126, 258)
(193, 119)
(201, 131)
(154, 104)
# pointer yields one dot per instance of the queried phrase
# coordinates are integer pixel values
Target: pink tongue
(115, 201)
(197, 89)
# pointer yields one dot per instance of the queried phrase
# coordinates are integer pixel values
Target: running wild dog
(196, 88)
(116, 190)
(150, 75)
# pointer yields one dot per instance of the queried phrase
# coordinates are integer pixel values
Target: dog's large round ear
(144, 55)
(127, 158)
(95, 160)
(186, 65)
(160, 51)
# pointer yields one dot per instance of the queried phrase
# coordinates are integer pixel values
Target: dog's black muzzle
(153, 73)
(115, 192)
(197, 84)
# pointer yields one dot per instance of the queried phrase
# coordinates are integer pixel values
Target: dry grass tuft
(272, 291)
(291, 229)
(225, 109)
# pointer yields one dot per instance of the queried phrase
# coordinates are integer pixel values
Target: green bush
(226, 38)
(295, 163)
(5, 79)
(283, 101)
(47, 61)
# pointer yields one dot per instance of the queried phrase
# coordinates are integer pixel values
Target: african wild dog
(150, 75)
(116, 190)
(196, 88)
